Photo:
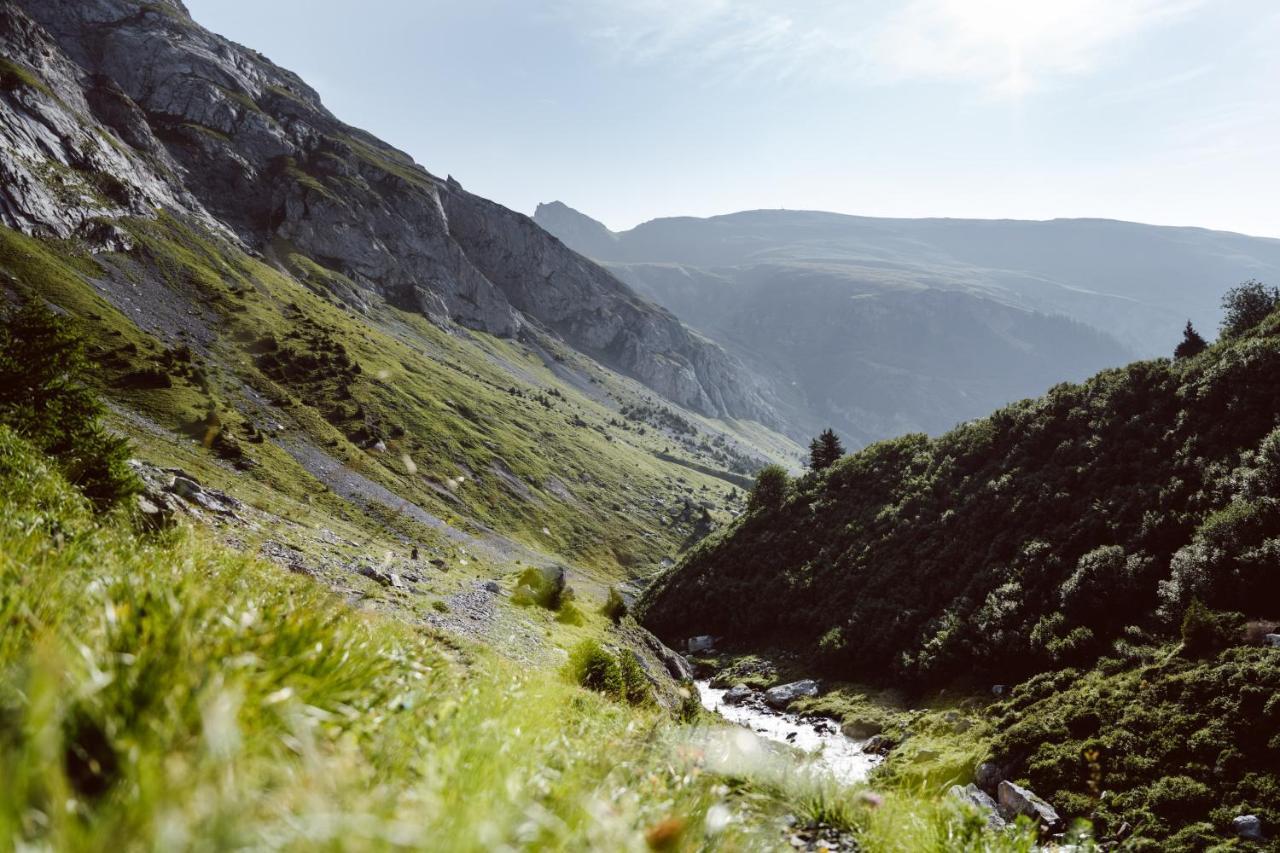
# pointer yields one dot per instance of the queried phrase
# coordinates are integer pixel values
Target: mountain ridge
(874, 333)
(1162, 270)
(178, 117)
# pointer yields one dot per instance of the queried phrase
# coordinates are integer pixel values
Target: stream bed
(841, 755)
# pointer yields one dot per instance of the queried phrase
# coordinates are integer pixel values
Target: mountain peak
(577, 230)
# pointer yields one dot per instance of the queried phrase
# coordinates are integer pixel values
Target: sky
(1161, 111)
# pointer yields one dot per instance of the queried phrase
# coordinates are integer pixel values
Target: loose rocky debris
(820, 837)
(289, 557)
(170, 492)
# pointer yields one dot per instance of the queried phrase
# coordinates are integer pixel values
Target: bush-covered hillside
(1036, 537)
(1114, 546)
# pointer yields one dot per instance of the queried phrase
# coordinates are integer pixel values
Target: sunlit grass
(166, 693)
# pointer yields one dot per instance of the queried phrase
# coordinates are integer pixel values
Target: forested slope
(1035, 536)
(1108, 555)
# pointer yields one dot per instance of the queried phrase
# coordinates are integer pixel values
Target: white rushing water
(841, 755)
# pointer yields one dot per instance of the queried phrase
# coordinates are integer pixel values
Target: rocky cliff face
(113, 108)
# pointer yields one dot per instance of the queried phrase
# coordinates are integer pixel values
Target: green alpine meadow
(345, 508)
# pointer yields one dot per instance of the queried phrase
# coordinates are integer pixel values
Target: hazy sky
(1163, 111)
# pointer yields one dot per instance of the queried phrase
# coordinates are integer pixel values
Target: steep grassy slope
(283, 381)
(1072, 540)
(172, 693)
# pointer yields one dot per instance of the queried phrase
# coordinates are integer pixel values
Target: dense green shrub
(770, 490)
(1205, 631)
(619, 676)
(1174, 749)
(615, 606)
(45, 400)
(1246, 306)
(543, 587)
(591, 666)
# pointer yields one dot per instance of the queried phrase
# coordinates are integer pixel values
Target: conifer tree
(45, 398)
(770, 489)
(1192, 343)
(825, 451)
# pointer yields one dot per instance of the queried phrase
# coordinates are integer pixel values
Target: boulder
(879, 745)
(988, 776)
(737, 694)
(861, 729)
(192, 492)
(1247, 826)
(374, 573)
(974, 796)
(186, 488)
(492, 586)
(678, 667)
(784, 694)
(701, 643)
(156, 510)
(1016, 800)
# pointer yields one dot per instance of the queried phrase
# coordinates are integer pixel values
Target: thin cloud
(1003, 47)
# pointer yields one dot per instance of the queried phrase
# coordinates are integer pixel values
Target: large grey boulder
(1016, 800)
(737, 694)
(1248, 827)
(978, 799)
(784, 694)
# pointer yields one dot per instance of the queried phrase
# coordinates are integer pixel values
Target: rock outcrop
(1015, 800)
(115, 108)
(980, 801)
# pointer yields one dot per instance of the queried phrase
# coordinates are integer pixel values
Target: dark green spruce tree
(1192, 343)
(825, 451)
(45, 398)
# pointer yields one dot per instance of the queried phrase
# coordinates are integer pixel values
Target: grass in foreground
(168, 693)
